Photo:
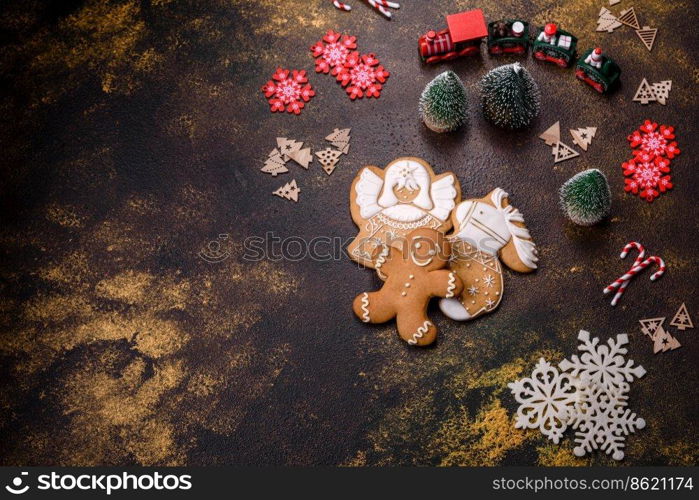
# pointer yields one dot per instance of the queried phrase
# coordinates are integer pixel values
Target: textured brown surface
(132, 134)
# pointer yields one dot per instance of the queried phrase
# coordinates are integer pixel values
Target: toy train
(466, 31)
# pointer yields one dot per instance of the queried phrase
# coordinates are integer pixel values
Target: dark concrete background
(132, 135)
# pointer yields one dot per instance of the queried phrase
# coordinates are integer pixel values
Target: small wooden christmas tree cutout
(583, 136)
(274, 164)
(287, 146)
(563, 152)
(607, 21)
(645, 93)
(289, 191)
(328, 159)
(303, 157)
(663, 341)
(552, 135)
(614, 2)
(647, 36)
(650, 325)
(682, 321)
(628, 17)
(340, 139)
(661, 90)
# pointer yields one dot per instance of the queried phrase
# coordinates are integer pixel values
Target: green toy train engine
(597, 70)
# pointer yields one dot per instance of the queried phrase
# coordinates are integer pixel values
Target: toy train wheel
(580, 75)
(540, 55)
(518, 50)
(495, 50)
(562, 63)
(598, 87)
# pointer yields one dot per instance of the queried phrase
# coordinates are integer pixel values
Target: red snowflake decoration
(648, 138)
(286, 91)
(645, 176)
(652, 151)
(362, 76)
(331, 52)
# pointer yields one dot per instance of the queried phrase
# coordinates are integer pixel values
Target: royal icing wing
(368, 188)
(443, 194)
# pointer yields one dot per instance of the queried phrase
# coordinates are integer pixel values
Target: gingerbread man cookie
(487, 230)
(412, 276)
(388, 204)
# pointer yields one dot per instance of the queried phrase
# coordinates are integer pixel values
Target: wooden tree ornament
(607, 21)
(303, 157)
(288, 146)
(628, 17)
(614, 2)
(289, 191)
(274, 164)
(663, 341)
(552, 135)
(650, 325)
(562, 152)
(340, 138)
(682, 321)
(645, 93)
(583, 136)
(661, 90)
(328, 159)
(647, 36)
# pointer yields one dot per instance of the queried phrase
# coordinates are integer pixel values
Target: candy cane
(638, 261)
(633, 272)
(341, 6)
(380, 8)
(385, 3)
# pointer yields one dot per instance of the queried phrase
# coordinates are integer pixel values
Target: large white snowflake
(602, 420)
(603, 364)
(546, 400)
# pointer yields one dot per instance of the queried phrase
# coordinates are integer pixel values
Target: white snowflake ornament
(603, 364)
(546, 400)
(602, 420)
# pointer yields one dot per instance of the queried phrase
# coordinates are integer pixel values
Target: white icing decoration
(451, 286)
(365, 307)
(380, 261)
(453, 309)
(421, 331)
(368, 188)
(491, 228)
(410, 175)
(376, 195)
(422, 263)
(443, 195)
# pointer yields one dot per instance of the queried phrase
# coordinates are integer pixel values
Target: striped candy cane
(379, 6)
(638, 261)
(341, 6)
(622, 281)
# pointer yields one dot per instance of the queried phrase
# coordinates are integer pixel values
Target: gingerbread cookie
(487, 230)
(412, 276)
(388, 204)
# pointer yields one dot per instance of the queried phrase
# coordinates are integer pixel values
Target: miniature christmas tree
(444, 103)
(510, 97)
(586, 198)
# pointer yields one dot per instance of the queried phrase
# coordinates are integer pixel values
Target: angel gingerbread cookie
(486, 231)
(412, 276)
(388, 204)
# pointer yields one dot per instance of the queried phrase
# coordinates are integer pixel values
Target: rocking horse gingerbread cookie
(388, 204)
(487, 230)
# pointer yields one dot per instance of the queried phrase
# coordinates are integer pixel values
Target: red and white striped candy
(639, 265)
(639, 259)
(341, 6)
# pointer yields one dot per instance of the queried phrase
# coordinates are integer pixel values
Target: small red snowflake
(644, 176)
(648, 138)
(286, 91)
(331, 52)
(362, 76)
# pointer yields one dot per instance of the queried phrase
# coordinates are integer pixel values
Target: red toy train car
(463, 37)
